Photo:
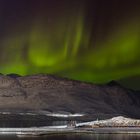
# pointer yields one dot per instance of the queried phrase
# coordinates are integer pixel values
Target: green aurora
(69, 40)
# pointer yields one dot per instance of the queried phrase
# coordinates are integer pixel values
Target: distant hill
(55, 94)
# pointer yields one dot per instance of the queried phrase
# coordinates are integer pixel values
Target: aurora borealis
(89, 40)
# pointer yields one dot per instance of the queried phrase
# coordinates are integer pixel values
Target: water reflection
(77, 137)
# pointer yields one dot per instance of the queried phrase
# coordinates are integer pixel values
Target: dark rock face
(54, 94)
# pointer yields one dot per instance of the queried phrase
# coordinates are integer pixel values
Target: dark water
(16, 120)
(77, 137)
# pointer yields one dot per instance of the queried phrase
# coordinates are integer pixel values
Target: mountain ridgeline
(55, 94)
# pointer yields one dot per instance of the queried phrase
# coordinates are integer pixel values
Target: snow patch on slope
(65, 115)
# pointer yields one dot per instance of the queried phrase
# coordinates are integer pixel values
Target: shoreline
(46, 131)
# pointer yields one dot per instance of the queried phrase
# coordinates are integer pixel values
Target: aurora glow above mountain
(90, 40)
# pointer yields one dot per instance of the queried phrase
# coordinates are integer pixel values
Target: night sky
(89, 40)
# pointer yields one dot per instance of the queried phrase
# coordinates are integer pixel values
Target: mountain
(48, 93)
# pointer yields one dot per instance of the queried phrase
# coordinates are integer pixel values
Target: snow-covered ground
(64, 115)
(116, 121)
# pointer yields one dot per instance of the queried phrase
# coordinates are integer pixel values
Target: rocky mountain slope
(54, 94)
